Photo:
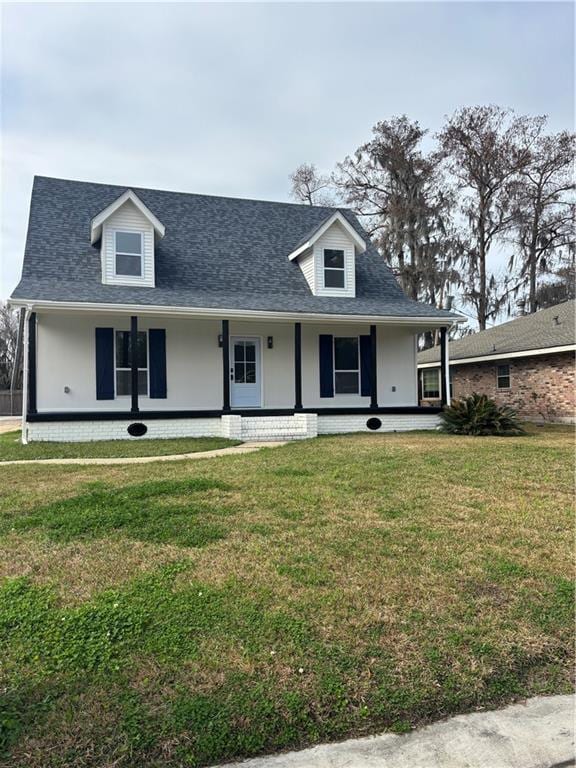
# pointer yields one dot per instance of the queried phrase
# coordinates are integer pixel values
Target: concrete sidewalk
(536, 734)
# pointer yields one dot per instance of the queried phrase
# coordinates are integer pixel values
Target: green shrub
(478, 415)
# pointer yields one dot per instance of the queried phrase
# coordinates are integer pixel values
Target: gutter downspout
(25, 370)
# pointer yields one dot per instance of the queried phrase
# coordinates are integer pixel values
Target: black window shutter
(104, 363)
(365, 366)
(157, 344)
(326, 365)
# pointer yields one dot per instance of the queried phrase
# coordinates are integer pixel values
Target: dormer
(127, 230)
(327, 257)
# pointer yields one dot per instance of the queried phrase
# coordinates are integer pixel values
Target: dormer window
(127, 231)
(128, 254)
(334, 271)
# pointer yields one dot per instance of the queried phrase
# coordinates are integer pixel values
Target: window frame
(347, 370)
(116, 368)
(341, 269)
(438, 389)
(503, 376)
(117, 253)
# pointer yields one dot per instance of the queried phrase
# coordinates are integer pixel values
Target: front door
(245, 382)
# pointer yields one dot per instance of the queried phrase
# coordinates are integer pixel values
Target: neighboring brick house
(527, 363)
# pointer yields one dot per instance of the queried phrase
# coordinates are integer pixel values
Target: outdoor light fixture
(220, 340)
(270, 342)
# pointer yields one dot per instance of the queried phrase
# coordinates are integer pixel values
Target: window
(430, 383)
(333, 268)
(503, 377)
(128, 254)
(124, 362)
(346, 366)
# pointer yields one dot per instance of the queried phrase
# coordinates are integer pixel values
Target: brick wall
(542, 388)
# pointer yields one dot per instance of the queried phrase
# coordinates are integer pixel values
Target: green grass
(189, 613)
(11, 449)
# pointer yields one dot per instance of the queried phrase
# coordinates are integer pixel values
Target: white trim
(248, 314)
(334, 269)
(115, 233)
(509, 377)
(504, 355)
(259, 367)
(129, 195)
(447, 372)
(347, 370)
(116, 369)
(25, 371)
(359, 242)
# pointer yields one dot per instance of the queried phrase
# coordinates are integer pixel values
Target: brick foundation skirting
(298, 426)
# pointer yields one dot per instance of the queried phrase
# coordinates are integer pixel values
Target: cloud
(229, 98)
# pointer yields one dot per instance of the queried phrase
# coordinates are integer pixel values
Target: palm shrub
(478, 415)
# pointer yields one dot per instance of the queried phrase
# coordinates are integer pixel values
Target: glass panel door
(245, 383)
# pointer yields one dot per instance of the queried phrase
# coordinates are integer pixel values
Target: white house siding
(335, 237)
(306, 262)
(127, 219)
(66, 357)
(396, 359)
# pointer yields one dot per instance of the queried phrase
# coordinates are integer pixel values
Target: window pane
(250, 351)
(334, 278)
(142, 383)
(129, 242)
(129, 265)
(122, 349)
(250, 373)
(239, 350)
(141, 350)
(124, 382)
(333, 258)
(503, 370)
(123, 386)
(346, 353)
(346, 383)
(431, 382)
(239, 373)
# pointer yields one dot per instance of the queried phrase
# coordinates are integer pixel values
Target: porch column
(134, 363)
(444, 367)
(32, 363)
(373, 367)
(225, 365)
(297, 366)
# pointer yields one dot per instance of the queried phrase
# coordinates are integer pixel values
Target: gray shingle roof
(218, 252)
(552, 327)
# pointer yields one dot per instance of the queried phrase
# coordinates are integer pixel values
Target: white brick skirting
(297, 427)
(392, 422)
(300, 426)
(84, 431)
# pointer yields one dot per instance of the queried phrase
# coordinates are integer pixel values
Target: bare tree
(485, 149)
(544, 211)
(400, 194)
(8, 340)
(562, 285)
(309, 186)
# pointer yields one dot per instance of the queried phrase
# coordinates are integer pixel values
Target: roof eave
(128, 196)
(359, 242)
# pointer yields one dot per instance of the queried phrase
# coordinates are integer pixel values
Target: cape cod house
(161, 314)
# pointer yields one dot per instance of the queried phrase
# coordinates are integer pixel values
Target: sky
(228, 98)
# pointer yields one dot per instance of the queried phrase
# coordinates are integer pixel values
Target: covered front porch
(241, 377)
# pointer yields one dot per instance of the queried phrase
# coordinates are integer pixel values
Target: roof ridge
(194, 194)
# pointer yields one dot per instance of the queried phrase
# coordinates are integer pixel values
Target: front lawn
(189, 613)
(11, 449)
